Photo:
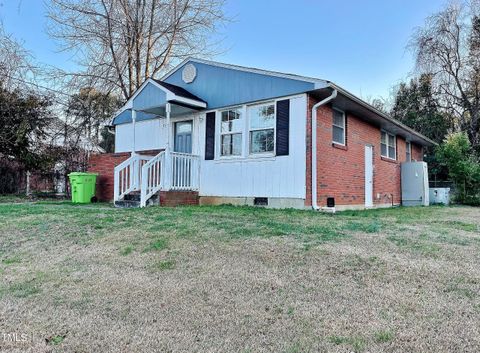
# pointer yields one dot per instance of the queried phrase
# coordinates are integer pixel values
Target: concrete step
(133, 200)
(133, 196)
(127, 204)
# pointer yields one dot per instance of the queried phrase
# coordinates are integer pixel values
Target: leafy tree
(88, 112)
(463, 167)
(416, 107)
(108, 140)
(25, 119)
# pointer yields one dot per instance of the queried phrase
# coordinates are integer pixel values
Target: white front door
(368, 176)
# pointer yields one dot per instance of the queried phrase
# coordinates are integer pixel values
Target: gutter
(382, 114)
(314, 146)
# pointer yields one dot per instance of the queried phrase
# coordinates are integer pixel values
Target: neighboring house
(214, 133)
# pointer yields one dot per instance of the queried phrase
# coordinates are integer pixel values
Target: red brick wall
(341, 170)
(104, 164)
(176, 198)
(417, 153)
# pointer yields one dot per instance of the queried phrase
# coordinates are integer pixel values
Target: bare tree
(448, 49)
(120, 43)
(16, 63)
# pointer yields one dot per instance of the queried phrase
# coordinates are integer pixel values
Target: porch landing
(104, 164)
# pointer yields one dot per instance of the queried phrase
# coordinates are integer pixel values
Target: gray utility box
(440, 196)
(415, 190)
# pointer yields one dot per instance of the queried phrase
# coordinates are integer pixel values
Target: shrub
(456, 154)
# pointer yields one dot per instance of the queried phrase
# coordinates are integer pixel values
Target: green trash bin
(82, 187)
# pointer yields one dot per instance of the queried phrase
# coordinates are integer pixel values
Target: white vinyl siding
(388, 145)
(338, 127)
(263, 174)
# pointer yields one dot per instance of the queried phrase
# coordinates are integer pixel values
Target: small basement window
(388, 145)
(338, 127)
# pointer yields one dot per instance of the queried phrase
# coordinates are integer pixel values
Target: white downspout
(314, 147)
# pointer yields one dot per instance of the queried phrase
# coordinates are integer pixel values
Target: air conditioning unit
(440, 196)
(415, 190)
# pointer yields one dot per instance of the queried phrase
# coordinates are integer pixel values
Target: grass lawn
(238, 279)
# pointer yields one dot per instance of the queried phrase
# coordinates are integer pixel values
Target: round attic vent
(189, 73)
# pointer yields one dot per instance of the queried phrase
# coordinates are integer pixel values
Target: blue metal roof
(217, 86)
(224, 86)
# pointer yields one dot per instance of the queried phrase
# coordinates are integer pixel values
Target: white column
(135, 167)
(134, 118)
(168, 158)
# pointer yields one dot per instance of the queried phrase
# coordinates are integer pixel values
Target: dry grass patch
(239, 279)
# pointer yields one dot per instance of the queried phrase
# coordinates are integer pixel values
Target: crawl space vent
(330, 202)
(260, 201)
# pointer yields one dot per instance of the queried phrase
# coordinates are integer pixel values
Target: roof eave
(342, 91)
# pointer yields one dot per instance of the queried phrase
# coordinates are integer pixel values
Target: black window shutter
(283, 127)
(210, 136)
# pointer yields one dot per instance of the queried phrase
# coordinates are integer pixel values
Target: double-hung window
(408, 146)
(338, 128)
(388, 145)
(231, 132)
(262, 128)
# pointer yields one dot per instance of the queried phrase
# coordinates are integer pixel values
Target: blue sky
(359, 45)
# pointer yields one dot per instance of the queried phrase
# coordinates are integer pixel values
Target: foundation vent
(330, 201)
(260, 201)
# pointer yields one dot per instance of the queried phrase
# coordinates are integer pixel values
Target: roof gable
(151, 97)
(223, 85)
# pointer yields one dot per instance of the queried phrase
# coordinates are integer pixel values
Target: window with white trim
(231, 132)
(408, 147)
(338, 127)
(388, 145)
(262, 128)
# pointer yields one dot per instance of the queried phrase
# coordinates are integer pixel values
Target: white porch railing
(150, 174)
(153, 173)
(128, 175)
(185, 171)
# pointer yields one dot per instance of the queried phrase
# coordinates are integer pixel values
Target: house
(212, 133)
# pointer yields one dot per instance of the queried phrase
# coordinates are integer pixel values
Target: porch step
(132, 200)
(133, 196)
(127, 204)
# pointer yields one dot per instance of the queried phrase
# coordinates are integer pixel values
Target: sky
(359, 45)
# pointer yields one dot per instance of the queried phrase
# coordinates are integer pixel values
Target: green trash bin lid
(81, 173)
